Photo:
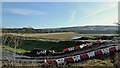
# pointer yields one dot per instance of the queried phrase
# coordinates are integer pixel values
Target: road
(9, 55)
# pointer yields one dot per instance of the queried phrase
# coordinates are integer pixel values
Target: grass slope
(28, 45)
(59, 36)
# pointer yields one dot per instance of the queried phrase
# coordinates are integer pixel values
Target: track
(76, 52)
(9, 55)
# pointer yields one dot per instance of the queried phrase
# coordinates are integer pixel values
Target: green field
(28, 45)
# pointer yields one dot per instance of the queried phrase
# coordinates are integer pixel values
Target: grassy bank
(18, 50)
(28, 45)
(47, 45)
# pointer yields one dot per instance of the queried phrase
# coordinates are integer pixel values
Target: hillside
(78, 29)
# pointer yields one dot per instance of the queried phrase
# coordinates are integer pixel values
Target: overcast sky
(58, 14)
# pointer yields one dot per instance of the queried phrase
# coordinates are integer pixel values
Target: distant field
(59, 36)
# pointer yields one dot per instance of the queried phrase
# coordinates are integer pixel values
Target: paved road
(9, 55)
(77, 52)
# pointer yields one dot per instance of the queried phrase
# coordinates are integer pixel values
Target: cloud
(108, 21)
(72, 16)
(74, 19)
(115, 5)
(25, 12)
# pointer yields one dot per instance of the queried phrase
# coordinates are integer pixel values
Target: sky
(58, 14)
